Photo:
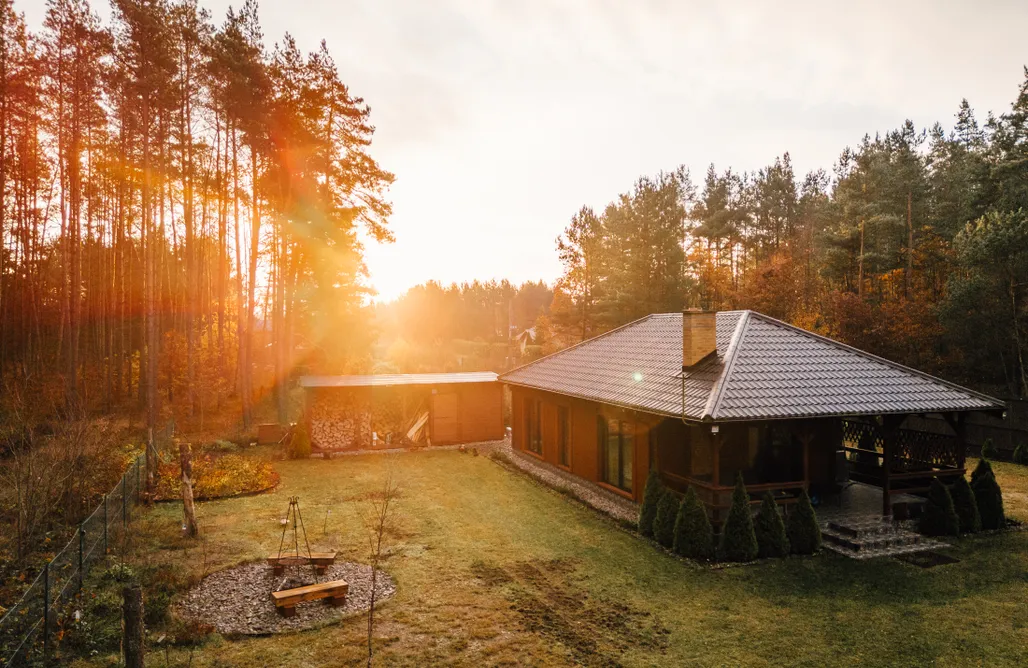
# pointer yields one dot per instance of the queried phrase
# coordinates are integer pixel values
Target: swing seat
(320, 560)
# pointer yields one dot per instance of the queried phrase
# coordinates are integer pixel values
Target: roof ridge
(717, 391)
(876, 358)
(581, 343)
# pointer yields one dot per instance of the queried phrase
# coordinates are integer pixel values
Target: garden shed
(343, 412)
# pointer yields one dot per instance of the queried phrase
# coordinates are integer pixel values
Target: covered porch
(822, 455)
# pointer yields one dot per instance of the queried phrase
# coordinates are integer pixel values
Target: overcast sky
(500, 119)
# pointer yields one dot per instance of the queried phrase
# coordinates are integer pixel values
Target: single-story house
(701, 396)
(464, 407)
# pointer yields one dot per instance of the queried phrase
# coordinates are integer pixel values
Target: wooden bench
(333, 592)
(320, 560)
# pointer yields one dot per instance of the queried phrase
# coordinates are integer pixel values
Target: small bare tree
(189, 525)
(378, 516)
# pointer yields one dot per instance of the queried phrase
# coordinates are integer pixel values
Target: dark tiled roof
(763, 369)
(387, 379)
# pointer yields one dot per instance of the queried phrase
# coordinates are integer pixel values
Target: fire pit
(287, 597)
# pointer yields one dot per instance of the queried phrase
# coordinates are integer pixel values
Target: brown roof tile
(763, 369)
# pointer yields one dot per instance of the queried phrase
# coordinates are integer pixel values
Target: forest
(914, 247)
(183, 212)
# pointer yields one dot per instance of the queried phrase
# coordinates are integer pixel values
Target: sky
(502, 118)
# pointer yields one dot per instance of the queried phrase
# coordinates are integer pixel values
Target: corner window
(563, 436)
(617, 451)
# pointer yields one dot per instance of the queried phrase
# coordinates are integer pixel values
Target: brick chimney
(699, 335)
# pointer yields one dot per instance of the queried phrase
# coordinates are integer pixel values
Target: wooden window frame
(533, 426)
(566, 446)
(604, 444)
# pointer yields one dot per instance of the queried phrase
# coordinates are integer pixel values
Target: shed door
(445, 418)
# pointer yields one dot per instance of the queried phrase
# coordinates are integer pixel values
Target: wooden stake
(132, 639)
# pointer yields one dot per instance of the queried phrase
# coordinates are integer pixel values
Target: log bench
(320, 560)
(333, 592)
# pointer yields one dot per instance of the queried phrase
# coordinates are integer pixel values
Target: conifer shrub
(1021, 455)
(966, 506)
(802, 528)
(651, 496)
(300, 443)
(770, 530)
(664, 520)
(738, 541)
(694, 537)
(939, 517)
(988, 449)
(988, 496)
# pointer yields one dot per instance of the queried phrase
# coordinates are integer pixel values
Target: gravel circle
(237, 600)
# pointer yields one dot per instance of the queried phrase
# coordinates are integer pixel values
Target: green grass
(493, 568)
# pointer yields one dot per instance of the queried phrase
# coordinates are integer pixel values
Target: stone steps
(873, 537)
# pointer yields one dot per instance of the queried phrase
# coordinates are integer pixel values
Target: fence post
(46, 609)
(124, 502)
(105, 525)
(82, 541)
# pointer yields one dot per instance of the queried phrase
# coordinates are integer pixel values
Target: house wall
(585, 452)
(684, 450)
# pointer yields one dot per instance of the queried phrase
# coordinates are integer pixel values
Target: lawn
(493, 568)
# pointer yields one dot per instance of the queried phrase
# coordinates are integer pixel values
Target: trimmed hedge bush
(664, 521)
(939, 517)
(738, 541)
(770, 530)
(651, 496)
(1021, 455)
(966, 506)
(988, 449)
(802, 528)
(988, 495)
(694, 537)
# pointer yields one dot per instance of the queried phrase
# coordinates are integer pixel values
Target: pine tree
(966, 506)
(738, 541)
(802, 528)
(939, 517)
(664, 520)
(694, 536)
(988, 449)
(651, 498)
(1021, 454)
(988, 495)
(770, 529)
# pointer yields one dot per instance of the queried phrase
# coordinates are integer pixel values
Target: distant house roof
(763, 369)
(385, 380)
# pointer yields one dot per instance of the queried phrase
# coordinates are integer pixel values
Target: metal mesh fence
(27, 628)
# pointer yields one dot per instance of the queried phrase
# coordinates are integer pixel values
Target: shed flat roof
(390, 379)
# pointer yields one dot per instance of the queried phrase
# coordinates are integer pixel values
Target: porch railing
(718, 498)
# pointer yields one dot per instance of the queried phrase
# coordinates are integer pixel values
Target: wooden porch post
(715, 474)
(806, 436)
(890, 428)
(958, 423)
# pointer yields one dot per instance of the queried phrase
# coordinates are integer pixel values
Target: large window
(563, 436)
(617, 450)
(534, 425)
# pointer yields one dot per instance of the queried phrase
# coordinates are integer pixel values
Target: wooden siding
(467, 413)
(584, 455)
